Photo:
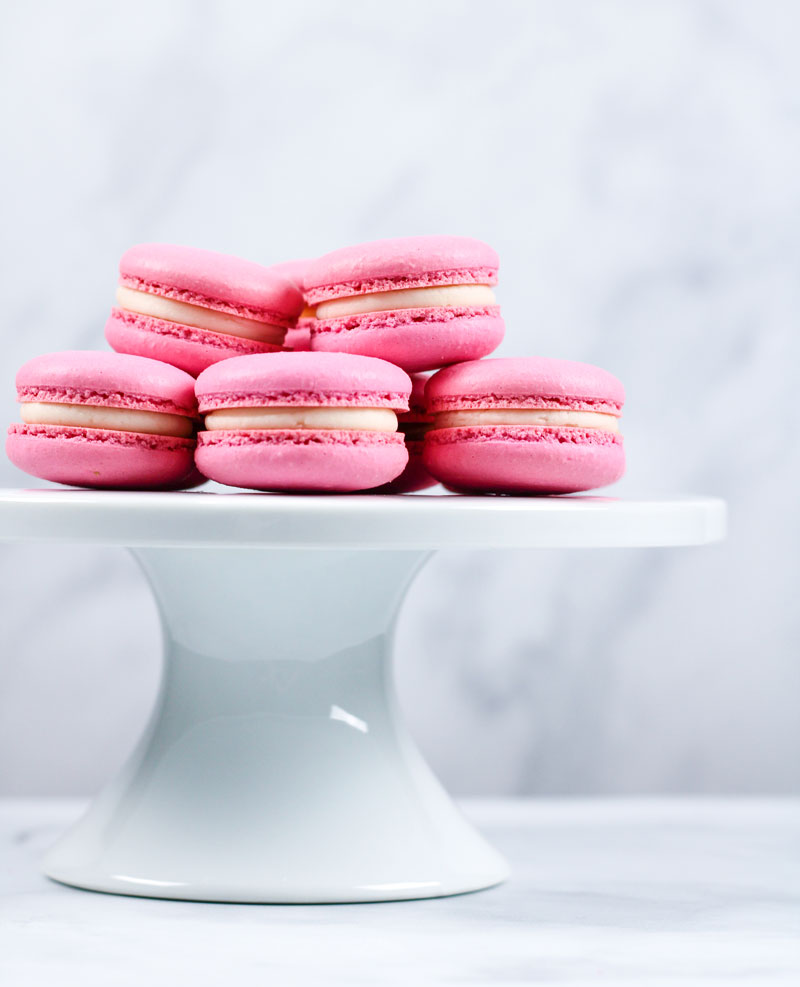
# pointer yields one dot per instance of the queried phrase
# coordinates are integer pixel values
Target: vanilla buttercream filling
(146, 303)
(450, 295)
(96, 416)
(360, 419)
(547, 417)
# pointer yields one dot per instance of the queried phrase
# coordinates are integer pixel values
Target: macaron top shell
(211, 280)
(405, 262)
(303, 380)
(292, 270)
(116, 380)
(524, 382)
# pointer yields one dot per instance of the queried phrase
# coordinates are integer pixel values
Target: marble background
(635, 165)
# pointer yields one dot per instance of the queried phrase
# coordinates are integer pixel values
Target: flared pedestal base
(275, 768)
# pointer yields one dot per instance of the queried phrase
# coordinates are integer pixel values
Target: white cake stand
(275, 767)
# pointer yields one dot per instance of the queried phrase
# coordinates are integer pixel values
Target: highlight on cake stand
(276, 767)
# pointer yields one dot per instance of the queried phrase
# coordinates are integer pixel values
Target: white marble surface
(662, 892)
(635, 165)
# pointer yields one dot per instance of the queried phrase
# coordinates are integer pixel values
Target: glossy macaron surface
(104, 420)
(192, 307)
(526, 425)
(419, 302)
(283, 446)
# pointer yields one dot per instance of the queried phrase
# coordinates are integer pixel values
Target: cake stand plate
(276, 767)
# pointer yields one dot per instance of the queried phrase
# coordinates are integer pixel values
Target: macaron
(105, 420)
(302, 421)
(413, 424)
(524, 425)
(419, 302)
(193, 308)
(298, 337)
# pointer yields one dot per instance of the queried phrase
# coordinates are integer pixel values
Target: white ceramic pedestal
(276, 767)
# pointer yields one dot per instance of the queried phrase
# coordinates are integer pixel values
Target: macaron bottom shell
(102, 458)
(186, 347)
(324, 460)
(413, 339)
(524, 460)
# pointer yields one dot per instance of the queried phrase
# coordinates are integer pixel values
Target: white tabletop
(203, 518)
(612, 892)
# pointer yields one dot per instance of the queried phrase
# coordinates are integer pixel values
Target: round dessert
(298, 337)
(419, 302)
(302, 421)
(105, 420)
(413, 424)
(193, 308)
(526, 425)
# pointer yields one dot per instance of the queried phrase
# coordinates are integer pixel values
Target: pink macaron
(413, 423)
(525, 425)
(298, 337)
(193, 308)
(302, 421)
(420, 302)
(105, 420)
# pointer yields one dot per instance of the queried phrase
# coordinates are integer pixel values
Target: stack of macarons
(308, 376)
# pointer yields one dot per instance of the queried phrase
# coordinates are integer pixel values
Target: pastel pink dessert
(193, 308)
(413, 423)
(298, 337)
(105, 420)
(525, 425)
(302, 421)
(419, 302)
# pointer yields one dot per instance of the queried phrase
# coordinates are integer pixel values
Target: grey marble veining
(636, 167)
(631, 891)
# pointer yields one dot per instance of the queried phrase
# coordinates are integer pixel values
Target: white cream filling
(452, 295)
(95, 416)
(361, 419)
(146, 303)
(553, 417)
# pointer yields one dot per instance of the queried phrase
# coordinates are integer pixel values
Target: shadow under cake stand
(276, 767)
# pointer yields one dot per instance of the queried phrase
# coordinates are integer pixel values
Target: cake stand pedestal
(276, 767)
